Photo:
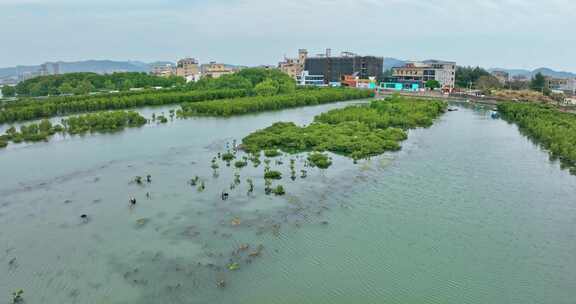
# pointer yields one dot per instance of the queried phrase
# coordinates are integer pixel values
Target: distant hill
(545, 71)
(95, 66)
(390, 63)
(103, 66)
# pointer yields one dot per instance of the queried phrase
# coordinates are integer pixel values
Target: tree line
(481, 79)
(239, 106)
(84, 83)
(355, 131)
(251, 81)
(554, 130)
(58, 107)
(260, 79)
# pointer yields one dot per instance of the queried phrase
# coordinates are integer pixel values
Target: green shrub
(319, 160)
(162, 119)
(273, 175)
(228, 156)
(240, 164)
(272, 153)
(279, 190)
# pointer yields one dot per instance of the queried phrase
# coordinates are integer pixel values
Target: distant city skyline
(522, 34)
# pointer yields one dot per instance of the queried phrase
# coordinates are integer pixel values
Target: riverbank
(488, 100)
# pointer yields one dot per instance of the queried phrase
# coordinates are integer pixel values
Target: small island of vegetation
(89, 123)
(355, 131)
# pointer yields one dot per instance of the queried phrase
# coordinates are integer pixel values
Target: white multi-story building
(305, 79)
(442, 71)
(565, 85)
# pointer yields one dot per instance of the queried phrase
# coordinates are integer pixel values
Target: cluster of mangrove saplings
(62, 106)
(88, 123)
(546, 125)
(239, 106)
(272, 164)
(355, 131)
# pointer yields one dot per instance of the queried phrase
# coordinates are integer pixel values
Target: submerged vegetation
(554, 130)
(355, 131)
(239, 106)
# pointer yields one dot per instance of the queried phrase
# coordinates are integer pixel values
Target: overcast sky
(489, 33)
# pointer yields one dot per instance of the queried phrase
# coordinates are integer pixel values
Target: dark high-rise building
(335, 68)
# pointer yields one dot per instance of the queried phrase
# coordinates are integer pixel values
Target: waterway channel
(470, 211)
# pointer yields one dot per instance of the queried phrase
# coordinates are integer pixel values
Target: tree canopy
(34, 109)
(8, 91)
(248, 79)
(539, 83)
(267, 87)
(239, 106)
(83, 83)
(432, 84)
(467, 75)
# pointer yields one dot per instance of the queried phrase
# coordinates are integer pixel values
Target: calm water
(468, 212)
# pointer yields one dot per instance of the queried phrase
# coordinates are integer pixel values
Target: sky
(524, 34)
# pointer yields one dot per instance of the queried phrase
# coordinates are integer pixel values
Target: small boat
(452, 109)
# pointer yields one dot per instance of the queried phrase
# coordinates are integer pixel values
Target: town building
(442, 71)
(187, 68)
(564, 85)
(354, 81)
(163, 70)
(409, 85)
(49, 69)
(215, 70)
(305, 79)
(502, 76)
(334, 68)
(521, 78)
(294, 66)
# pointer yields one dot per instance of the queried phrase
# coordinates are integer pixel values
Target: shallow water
(469, 211)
